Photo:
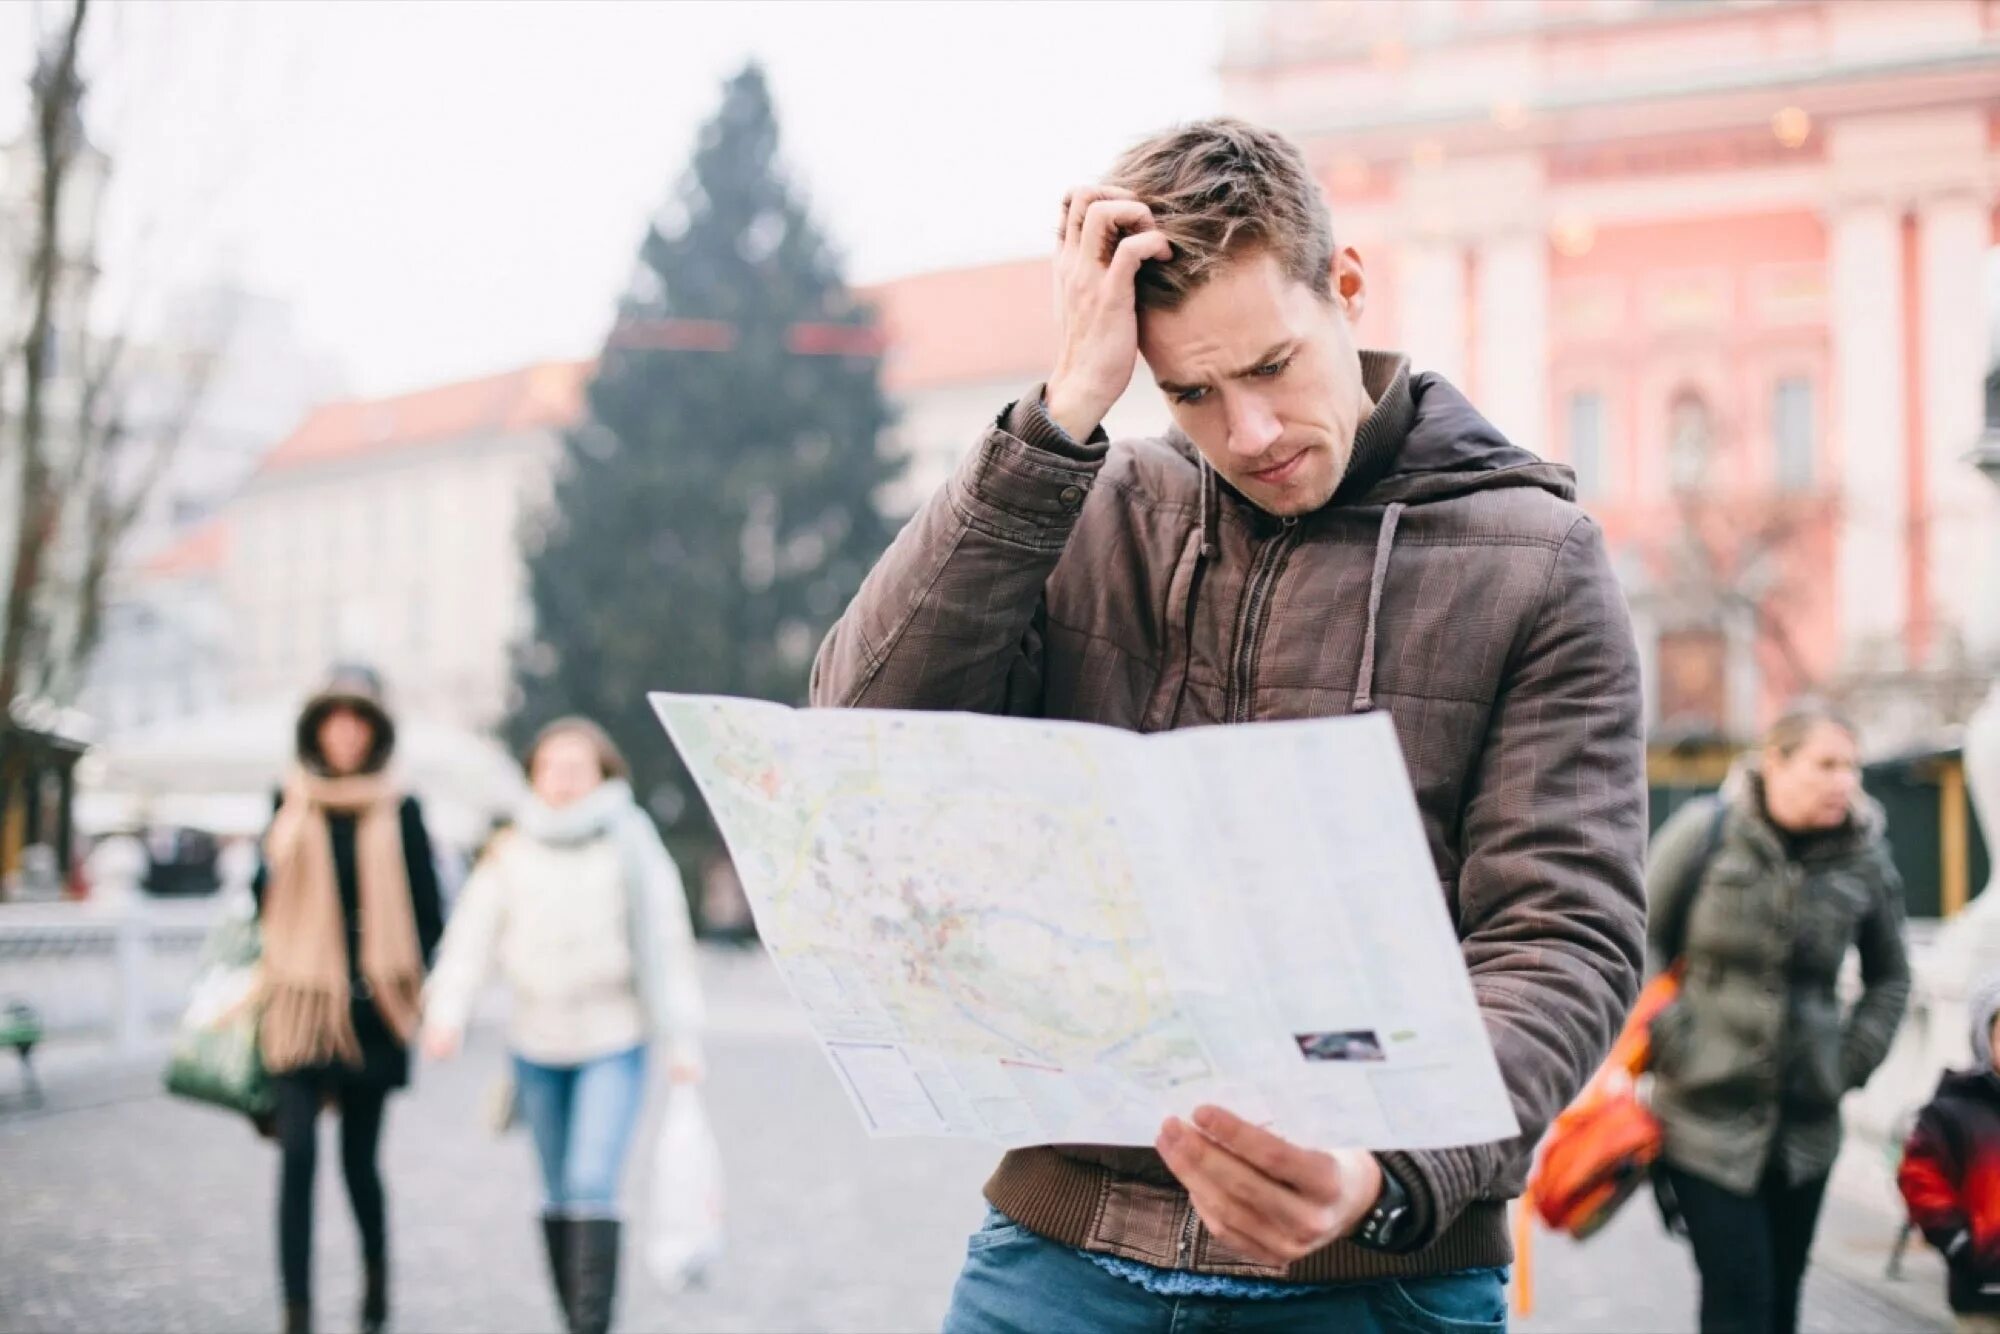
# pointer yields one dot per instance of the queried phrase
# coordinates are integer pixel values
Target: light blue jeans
(582, 1118)
(1015, 1282)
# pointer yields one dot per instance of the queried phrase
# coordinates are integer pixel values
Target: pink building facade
(1728, 259)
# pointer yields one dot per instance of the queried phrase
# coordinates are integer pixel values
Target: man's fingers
(1077, 203)
(1069, 223)
(1281, 1214)
(1136, 249)
(1230, 1222)
(1314, 1174)
(1105, 219)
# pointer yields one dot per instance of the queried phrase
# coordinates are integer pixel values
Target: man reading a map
(1323, 532)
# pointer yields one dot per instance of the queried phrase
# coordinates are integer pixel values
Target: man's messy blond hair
(1219, 189)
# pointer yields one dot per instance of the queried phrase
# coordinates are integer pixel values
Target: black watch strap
(1386, 1227)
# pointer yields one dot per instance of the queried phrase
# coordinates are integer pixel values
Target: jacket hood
(1980, 1084)
(353, 686)
(1422, 443)
(1980, 1006)
(1449, 450)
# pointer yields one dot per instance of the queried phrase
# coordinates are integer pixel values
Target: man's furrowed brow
(1275, 352)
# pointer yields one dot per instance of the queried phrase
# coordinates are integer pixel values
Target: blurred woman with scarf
(348, 903)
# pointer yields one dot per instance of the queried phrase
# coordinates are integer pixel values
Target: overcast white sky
(444, 189)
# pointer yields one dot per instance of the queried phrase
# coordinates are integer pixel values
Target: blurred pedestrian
(348, 902)
(583, 913)
(1751, 1060)
(1950, 1175)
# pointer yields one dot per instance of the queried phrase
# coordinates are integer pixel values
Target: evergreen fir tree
(716, 509)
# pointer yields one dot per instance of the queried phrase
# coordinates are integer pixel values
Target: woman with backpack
(581, 911)
(1757, 896)
(349, 912)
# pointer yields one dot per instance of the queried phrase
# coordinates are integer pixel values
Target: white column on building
(1743, 681)
(1964, 510)
(1867, 322)
(1432, 307)
(1512, 308)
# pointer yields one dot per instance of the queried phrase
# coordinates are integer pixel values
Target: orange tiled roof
(546, 395)
(967, 325)
(200, 552)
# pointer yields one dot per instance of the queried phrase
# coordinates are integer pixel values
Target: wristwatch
(1387, 1226)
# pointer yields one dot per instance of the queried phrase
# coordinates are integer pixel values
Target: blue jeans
(1015, 1282)
(582, 1117)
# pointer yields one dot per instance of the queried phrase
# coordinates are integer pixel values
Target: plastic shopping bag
(684, 1223)
(215, 1057)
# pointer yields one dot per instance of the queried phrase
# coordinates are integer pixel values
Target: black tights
(299, 1101)
(1751, 1250)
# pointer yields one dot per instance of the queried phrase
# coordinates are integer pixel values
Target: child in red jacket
(1950, 1176)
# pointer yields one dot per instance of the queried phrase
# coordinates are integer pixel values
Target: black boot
(298, 1318)
(375, 1297)
(555, 1233)
(593, 1273)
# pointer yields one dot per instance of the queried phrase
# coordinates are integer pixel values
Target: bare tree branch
(87, 466)
(1731, 554)
(58, 135)
(113, 510)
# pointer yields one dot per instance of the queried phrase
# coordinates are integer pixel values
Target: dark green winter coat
(1751, 1061)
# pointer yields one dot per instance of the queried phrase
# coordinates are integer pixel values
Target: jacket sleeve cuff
(446, 1007)
(1027, 481)
(1434, 1204)
(1859, 1060)
(1027, 420)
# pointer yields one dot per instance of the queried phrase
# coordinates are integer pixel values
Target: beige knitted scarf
(306, 1018)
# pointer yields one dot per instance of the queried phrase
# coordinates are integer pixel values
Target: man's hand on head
(1265, 1196)
(1106, 235)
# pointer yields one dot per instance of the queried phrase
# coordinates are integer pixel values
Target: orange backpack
(1603, 1146)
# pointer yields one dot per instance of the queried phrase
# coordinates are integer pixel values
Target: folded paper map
(1040, 932)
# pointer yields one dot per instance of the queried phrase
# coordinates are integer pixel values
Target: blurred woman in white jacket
(582, 912)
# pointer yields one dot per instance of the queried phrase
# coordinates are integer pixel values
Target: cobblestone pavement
(123, 1210)
(1633, 1277)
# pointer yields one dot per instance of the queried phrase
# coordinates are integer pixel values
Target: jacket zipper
(1186, 1252)
(1187, 639)
(1263, 576)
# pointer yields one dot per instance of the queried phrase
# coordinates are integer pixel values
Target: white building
(387, 530)
(166, 643)
(962, 343)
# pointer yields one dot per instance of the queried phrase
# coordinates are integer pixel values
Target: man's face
(1262, 374)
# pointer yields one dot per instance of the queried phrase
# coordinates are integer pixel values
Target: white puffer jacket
(582, 912)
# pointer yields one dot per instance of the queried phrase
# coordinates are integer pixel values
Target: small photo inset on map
(1352, 1044)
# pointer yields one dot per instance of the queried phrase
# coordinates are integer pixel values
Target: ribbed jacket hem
(1062, 1199)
